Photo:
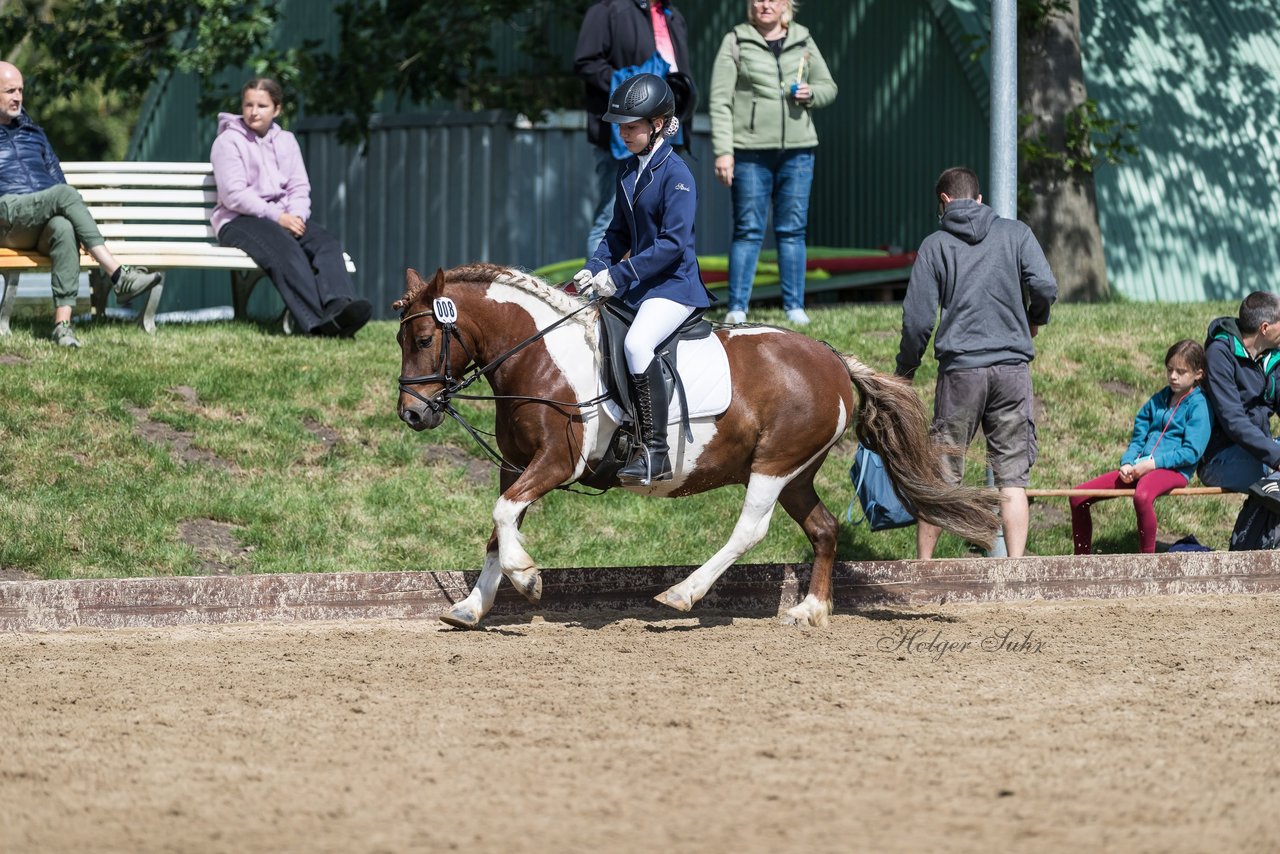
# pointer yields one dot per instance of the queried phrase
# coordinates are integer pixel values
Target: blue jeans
(761, 177)
(607, 191)
(1233, 468)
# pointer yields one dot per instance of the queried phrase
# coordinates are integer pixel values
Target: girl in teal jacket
(1170, 434)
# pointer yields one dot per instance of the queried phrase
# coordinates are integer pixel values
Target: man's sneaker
(63, 336)
(1267, 491)
(736, 316)
(797, 316)
(134, 281)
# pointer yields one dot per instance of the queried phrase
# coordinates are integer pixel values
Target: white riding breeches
(656, 318)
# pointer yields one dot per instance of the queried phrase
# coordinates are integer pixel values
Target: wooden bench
(1121, 493)
(154, 215)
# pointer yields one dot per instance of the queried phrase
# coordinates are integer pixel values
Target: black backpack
(1257, 529)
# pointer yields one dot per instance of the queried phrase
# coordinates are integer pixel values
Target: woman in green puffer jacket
(767, 78)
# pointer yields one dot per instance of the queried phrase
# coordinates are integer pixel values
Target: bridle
(452, 387)
(439, 401)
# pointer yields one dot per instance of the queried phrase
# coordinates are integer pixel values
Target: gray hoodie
(990, 278)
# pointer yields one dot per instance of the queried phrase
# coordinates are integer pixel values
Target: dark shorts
(999, 400)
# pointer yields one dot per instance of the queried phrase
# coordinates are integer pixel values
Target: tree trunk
(1062, 207)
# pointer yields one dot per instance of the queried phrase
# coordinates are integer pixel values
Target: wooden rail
(745, 590)
(1121, 493)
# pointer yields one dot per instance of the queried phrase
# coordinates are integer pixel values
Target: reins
(442, 401)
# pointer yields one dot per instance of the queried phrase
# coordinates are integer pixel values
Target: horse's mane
(480, 273)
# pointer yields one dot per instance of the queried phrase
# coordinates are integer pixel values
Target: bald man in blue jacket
(39, 211)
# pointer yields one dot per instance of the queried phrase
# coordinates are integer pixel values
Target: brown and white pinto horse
(792, 398)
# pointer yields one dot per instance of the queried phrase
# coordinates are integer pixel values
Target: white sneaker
(797, 316)
(736, 317)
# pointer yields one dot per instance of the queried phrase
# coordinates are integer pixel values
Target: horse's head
(432, 355)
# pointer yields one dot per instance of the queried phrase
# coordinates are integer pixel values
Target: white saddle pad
(704, 370)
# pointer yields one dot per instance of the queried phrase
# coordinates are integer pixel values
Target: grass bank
(224, 448)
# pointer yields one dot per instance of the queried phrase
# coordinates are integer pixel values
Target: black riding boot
(649, 462)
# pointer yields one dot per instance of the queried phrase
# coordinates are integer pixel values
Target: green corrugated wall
(171, 127)
(1194, 215)
(908, 108)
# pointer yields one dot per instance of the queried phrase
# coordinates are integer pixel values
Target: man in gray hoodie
(986, 284)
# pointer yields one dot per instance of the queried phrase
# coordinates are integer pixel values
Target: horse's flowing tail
(891, 421)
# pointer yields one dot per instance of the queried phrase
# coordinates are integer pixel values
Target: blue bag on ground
(1189, 543)
(882, 509)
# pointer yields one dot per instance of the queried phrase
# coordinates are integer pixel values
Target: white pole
(1003, 186)
(1002, 189)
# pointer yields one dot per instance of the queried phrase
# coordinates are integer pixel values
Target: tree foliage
(418, 52)
(406, 52)
(1089, 141)
(88, 63)
(123, 45)
(1034, 15)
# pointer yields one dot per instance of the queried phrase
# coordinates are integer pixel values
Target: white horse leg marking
(515, 562)
(812, 611)
(752, 525)
(468, 613)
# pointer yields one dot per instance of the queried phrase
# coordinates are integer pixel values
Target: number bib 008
(444, 310)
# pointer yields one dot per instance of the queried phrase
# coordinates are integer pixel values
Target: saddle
(615, 319)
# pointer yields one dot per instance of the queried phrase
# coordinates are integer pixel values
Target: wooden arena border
(747, 589)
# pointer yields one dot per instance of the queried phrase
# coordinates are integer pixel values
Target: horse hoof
(810, 612)
(528, 582)
(460, 618)
(674, 600)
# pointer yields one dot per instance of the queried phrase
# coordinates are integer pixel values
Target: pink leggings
(1148, 488)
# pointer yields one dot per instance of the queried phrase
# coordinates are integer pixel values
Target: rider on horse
(647, 256)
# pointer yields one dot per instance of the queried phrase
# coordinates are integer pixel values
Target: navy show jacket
(655, 224)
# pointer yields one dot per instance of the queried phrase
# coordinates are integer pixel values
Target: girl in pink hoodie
(264, 208)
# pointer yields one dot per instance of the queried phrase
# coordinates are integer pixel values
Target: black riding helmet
(644, 97)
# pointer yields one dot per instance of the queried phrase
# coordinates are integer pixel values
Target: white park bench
(154, 215)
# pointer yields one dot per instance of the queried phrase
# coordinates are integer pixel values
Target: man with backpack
(619, 39)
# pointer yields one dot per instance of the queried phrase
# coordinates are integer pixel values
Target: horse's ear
(437, 281)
